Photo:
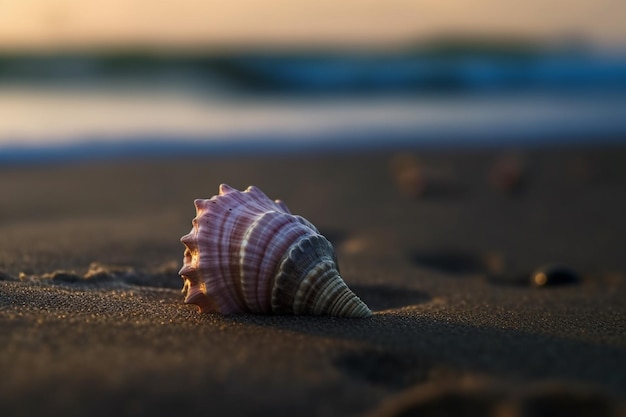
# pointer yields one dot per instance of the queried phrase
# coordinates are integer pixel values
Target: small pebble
(552, 275)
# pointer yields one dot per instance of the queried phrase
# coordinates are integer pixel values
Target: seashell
(247, 253)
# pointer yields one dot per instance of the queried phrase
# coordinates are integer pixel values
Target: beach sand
(439, 243)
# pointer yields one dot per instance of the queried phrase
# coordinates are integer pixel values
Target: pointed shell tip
(283, 206)
(225, 189)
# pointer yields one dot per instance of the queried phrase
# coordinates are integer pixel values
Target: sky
(67, 24)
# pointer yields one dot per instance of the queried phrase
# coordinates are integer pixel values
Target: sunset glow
(45, 24)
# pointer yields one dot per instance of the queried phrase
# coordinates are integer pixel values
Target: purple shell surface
(247, 253)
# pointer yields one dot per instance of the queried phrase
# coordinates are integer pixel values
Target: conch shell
(247, 253)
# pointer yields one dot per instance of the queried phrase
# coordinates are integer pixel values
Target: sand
(93, 321)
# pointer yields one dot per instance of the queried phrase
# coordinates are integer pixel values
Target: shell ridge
(303, 257)
(250, 276)
(296, 236)
(317, 271)
(254, 196)
(340, 300)
(347, 304)
(282, 290)
(225, 231)
(307, 223)
(325, 297)
(337, 299)
(284, 232)
(246, 219)
(267, 203)
(235, 242)
(216, 282)
(252, 302)
(308, 286)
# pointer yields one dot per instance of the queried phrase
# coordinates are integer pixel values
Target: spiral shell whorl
(309, 283)
(247, 253)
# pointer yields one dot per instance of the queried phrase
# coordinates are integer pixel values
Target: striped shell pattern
(247, 253)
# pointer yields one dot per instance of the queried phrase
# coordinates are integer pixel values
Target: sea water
(77, 106)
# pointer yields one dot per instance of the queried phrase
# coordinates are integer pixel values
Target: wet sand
(440, 244)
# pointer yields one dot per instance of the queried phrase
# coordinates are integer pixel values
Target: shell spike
(282, 206)
(186, 270)
(257, 194)
(188, 239)
(225, 189)
(197, 297)
(254, 190)
(200, 204)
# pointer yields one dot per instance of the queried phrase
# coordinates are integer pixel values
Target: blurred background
(142, 77)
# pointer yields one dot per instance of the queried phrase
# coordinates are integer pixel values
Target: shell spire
(247, 253)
